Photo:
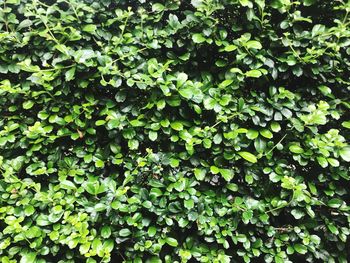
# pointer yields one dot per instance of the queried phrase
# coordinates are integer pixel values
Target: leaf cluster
(174, 131)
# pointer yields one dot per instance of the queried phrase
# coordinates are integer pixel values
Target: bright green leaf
(248, 156)
(198, 38)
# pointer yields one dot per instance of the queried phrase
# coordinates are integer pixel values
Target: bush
(174, 131)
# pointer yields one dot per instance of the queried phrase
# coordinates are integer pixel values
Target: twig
(276, 145)
(282, 206)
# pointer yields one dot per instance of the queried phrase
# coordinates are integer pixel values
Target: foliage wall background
(174, 131)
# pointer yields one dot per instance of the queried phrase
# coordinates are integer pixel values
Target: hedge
(174, 131)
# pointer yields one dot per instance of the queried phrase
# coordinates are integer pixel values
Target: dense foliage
(174, 131)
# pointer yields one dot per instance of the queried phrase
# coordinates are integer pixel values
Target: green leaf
(236, 70)
(225, 83)
(297, 213)
(334, 230)
(153, 135)
(254, 73)
(25, 23)
(199, 173)
(266, 133)
(84, 248)
(288, 182)
(186, 92)
(209, 103)
(155, 192)
(248, 156)
(147, 204)
(322, 161)
(246, 3)
(91, 260)
(232, 187)
(177, 126)
(294, 148)
(345, 153)
(227, 174)
(198, 38)
(99, 163)
(68, 185)
(171, 241)
(325, 90)
(69, 75)
(260, 145)
(300, 248)
(29, 210)
(333, 162)
(174, 162)
(197, 3)
(133, 144)
(214, 169)
(181, 79)
(106, 231)
(100, 122)
(335, 203)
(252, 134)
(28, 104)
(217, 138)
(230, 48)
(309, 2)
(28, 257)
(42, 220)
(254, 44)
(247, 215)
(152, 231)
(275, 127)
(108, 245)
(124, 232)
(90, 28)
(157, 7)
(346, 124)
(189, 204)
(137, 123)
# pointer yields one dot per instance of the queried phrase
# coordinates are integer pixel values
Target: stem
(74, 10)
(122, 256)
(345, 17)
(228, 118)
(5, 18)
(127, 55)
(283, 229)
(294, 51)
(282, 206)
(48, 92)
(45, 24)
(123, 29)
(246, 49)
(54, 69)
(284, 136)
(261, 20)
(238, 207)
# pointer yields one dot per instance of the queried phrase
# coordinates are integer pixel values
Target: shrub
(174, 131)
